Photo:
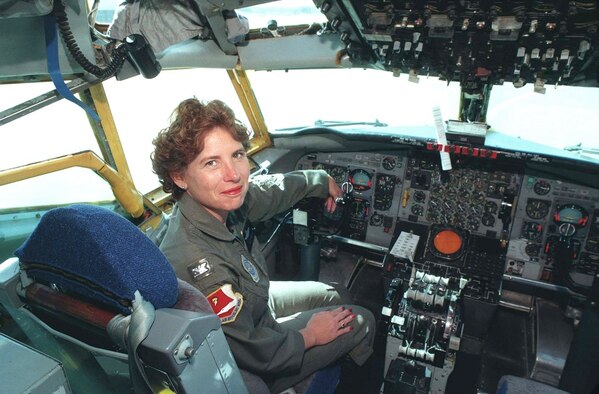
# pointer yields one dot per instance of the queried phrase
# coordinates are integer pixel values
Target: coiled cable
(118, 55)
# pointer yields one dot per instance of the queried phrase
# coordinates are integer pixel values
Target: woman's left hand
(334, 193)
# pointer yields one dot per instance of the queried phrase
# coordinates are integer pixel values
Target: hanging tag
(441, 138)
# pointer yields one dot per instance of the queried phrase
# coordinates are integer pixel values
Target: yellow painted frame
(243, 88)
(124, 190)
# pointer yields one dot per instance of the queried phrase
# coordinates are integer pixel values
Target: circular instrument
(571, 214)
(532, 231)
(338, 173)
(542, 187)
(447, 243)
(360, 179)
(537, 209)
(419, 196)
(488, 220)
(491, 207)
(532, 250)
(389, 163)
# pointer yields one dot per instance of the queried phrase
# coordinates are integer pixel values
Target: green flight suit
(209, 255)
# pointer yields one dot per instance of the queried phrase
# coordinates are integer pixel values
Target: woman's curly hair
(180, 143)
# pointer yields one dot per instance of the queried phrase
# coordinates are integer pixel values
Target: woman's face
(218, 177)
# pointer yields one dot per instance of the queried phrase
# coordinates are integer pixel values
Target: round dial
(417, 209)
(385, 183)
(537, 209)
(419, 196)
(383, 201)
(542, 187)
(358, 209)
(491, 207)
(532, 250)
(478, 197)
(389, 163)
(571, 214)
(488, 220)
(376, 219)
(360, 179)
(532, 231)
(338, 173)
(447, 242)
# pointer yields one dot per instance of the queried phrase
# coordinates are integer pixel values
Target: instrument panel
(473, 42)
(483, 217)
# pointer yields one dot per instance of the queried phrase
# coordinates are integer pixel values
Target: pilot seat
(91, 290)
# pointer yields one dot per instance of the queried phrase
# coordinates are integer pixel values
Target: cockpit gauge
(488, 220)
(476, 210)
(383, 201)
(385, 183)
(419, 196)
(447, 242)
(537, 209)
(532, 231)
(571, 214)
(478, 197)
(542, 187)
(532, 250)
(491, 207)
(360, 179)
(389, 163)
(358, 208)
(339, 174)
(376, 219)
(473, 223)
(417, 209)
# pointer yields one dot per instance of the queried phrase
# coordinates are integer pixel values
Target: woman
(282, 331)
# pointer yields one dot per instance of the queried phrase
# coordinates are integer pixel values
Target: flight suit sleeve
(272, 194)
(257, 341)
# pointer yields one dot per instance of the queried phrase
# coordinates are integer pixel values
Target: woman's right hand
(323, 327)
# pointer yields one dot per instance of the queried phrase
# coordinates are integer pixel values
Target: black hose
(118, 55)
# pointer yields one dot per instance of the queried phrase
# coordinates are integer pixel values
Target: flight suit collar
(203, 220)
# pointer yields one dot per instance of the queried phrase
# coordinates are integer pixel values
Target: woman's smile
(233, 191)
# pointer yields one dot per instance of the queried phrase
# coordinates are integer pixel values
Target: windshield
(562, 117)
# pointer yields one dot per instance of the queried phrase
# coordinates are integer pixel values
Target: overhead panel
(473, 42)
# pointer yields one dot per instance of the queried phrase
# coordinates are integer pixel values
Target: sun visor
(293, 52)
(196, 53)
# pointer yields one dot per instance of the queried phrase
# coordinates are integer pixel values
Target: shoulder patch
(199, 270)
(226, 303)
(250, 269)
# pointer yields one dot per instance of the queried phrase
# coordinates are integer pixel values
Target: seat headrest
(100, 255)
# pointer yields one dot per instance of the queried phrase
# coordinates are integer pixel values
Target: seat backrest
(96, 256)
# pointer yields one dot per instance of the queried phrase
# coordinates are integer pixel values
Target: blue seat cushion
(100, 255)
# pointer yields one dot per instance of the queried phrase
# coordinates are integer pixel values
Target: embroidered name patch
(226, 303)
(250, 268)
(199, 270)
